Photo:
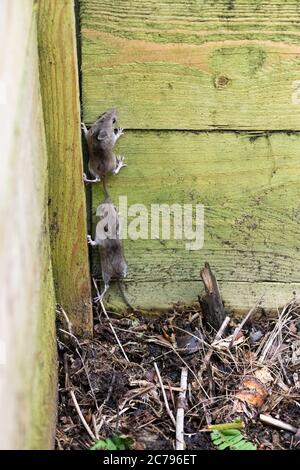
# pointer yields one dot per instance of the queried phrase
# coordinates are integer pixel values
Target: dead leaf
(253, 392)
(188, 343)
(160, 340)
(293, 328)
(263, 375)
(250, 356)
(138, 446)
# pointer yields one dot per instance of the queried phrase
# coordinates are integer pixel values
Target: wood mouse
(107, 238)
(101, 138)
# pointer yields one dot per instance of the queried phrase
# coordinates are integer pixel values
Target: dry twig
(277, 423)
(164, 394)
(82, 419)
(246, 318)
(110, 324)
(83, 365)
(210, 351)
(180, 444)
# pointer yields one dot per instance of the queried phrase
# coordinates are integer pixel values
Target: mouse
(107, 238)
(101, 138)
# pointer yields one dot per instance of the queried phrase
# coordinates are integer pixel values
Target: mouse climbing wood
(101, 138)
(111, 251)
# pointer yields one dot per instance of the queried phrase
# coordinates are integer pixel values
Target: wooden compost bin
(207, 92)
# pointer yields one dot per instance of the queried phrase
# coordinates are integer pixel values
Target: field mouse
(101, 138)
(107, 238)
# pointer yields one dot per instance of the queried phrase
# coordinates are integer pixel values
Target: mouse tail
(105, 188)
(124, 296)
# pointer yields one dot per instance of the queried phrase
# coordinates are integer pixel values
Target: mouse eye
(114, 120)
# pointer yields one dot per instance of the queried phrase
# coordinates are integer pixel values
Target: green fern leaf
(116, 442)
(232, 439)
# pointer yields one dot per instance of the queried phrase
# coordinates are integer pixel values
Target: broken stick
(211, 304)
(181, 405)
(246, 319)
(164, 394)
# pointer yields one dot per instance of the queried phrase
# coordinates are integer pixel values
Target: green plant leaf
(235, 439)
(115, 442)
(110, 445)
(99, 445)
(244, 445)
(231, 438)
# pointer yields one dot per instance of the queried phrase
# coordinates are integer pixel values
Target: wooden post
(28, 360)
(67, 207)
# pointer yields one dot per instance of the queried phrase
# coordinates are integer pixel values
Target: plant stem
(221, 427)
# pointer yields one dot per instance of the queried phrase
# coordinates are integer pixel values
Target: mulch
(117, 392)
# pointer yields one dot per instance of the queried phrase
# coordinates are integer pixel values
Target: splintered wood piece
(212, 305)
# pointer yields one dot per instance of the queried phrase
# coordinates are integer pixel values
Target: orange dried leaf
(252, 391)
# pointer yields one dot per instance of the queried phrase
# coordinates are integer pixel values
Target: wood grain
(249, 188)
(28, 367)
(67, 208)
(155, 297)
(192, 65)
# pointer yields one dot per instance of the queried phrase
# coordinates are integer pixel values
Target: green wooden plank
(192, 65)
(154, 297)
(183, 21)
(249, 185)
(177, 66)
(67, 207)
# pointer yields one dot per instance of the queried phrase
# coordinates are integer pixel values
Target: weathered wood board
(207, 92)
(192, 65)
(28, 368)
(67, 207)
(250, 188)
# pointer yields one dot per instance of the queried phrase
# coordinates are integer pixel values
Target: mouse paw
(120, 164)
(87, 181)
(90, 241)
(97, 299)
(120, 131)
(84, 128)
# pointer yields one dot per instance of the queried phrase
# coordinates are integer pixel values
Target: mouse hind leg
(106, 279)
(100, 297)
(120, 164)
(86, 180)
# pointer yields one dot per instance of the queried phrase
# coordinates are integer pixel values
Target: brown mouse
(101, 138)
(107, 237)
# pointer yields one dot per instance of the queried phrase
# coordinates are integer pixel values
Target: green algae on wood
(67, 207)
(28, 374)
(249, 187)
(195, 65)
